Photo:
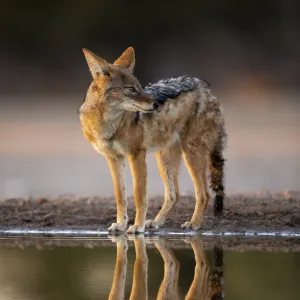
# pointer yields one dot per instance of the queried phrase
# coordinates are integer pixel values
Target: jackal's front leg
(139, 173)
(118, 285)
(139, 285)
(116, 165)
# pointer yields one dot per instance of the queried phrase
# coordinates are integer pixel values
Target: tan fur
(118, 285)
(169, 286)
(139, 285)
(139, 289)
(202, 286)
(190, 124)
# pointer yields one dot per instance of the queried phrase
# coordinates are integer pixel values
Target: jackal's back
(171, 88)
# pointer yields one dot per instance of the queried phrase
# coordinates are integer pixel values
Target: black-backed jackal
(174, 117)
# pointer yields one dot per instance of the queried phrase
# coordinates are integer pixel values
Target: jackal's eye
(131, 89)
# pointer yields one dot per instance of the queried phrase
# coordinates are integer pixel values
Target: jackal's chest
(113, 146)
(102, 135)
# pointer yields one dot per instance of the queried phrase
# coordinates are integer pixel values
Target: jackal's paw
(120, 240)
(190, 225)
(152, 224)
(133, 229)
(117, 227)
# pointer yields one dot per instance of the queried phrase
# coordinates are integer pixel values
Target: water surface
(157, 267)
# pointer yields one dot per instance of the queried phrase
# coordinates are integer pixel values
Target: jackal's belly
(161, 140)
(151, 142)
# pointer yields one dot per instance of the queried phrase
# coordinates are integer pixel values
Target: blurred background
(249, 51)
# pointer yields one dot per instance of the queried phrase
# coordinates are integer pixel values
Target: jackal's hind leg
(196, 162)
(169, 286)
(116, 166)
(168, 161)
(200, 287)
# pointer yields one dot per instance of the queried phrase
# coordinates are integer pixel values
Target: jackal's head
(115, 86)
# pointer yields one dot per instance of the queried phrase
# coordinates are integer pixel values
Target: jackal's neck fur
(100, 120)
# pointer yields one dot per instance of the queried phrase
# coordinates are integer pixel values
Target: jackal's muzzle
(154, 104)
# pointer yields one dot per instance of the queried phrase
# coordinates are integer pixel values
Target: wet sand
(240, 244)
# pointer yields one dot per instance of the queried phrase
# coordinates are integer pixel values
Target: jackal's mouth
(145, 110)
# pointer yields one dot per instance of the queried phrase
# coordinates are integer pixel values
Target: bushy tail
(217, 175)
(217, 276)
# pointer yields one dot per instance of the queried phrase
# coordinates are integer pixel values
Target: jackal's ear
(96, 64)
(127, 59)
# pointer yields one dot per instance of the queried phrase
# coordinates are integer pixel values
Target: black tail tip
(218, 256)
(218, 205)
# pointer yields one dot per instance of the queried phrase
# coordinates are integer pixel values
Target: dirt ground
(245, 212)
(258, 212)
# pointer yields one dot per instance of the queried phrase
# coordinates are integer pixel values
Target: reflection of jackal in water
(174, 117)
(139, 285)
(203, 287)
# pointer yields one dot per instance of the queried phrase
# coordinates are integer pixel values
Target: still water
(143, 269)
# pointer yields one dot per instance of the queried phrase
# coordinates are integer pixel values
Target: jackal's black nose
(155, 105)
